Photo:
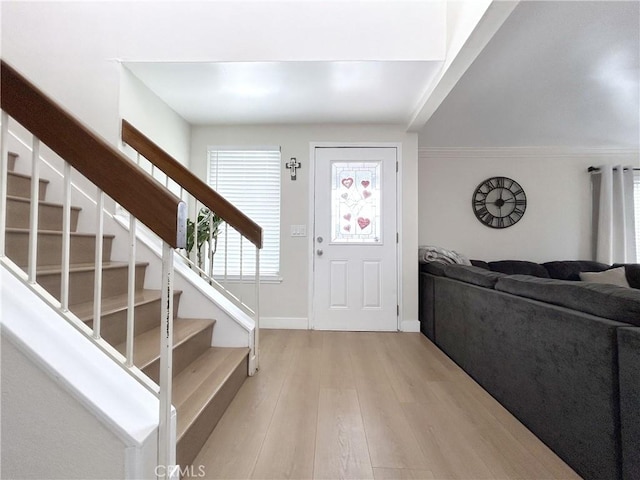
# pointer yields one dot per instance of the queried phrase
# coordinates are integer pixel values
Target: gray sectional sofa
(563, 356)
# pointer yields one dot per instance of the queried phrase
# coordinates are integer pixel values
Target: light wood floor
(332, 405)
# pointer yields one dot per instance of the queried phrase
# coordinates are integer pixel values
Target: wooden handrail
(93, 157)
(192, 184)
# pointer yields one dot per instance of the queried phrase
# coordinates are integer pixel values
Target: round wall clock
(499, 202)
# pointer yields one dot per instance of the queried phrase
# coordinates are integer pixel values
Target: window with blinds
(636, 197)
(250, 179)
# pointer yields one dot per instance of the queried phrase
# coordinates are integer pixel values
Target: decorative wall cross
(292, 165)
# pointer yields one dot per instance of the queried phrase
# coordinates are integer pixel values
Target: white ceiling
(561, 73)
(555, 73)
(383, 92)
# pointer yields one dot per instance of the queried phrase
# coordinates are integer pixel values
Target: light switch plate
(298, 230)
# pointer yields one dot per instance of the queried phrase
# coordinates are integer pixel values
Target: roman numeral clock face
(499, 202)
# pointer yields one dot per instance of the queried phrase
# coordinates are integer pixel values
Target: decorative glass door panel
(355, 202)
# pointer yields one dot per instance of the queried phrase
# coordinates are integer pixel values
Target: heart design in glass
(366, 194)
(365, 183)
(347, 182)
(363, 222)
(347, 217)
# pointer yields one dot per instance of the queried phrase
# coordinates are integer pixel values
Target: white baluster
(226, 253)
(66, 239)
(166, 447)
(4, 168)
(97, 282)
(33, 214)
(131, 290)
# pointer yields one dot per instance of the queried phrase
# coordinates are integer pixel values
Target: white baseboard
(302, 323)
(285, 323)
(410, 326)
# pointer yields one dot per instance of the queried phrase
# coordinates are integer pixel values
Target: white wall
(555, 91)
(286, 303)
(462, 18)
(557, 221)
(46, 433)
(72, 49)
(152, 116)
(68, 411)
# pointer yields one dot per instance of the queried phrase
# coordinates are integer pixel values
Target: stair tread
(25, 176)
(109, 305)
(85, 267)
(84, 311)
(42, 203)
(56, 232)
(197, 384)
(146, 348)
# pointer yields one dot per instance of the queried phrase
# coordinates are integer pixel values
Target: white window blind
(250, 179)
(636, 198)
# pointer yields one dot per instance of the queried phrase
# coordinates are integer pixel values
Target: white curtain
(613, 214)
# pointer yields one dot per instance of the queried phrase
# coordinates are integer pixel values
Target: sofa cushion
(633, 274)
(570, 269)
(629, 364)
(607, 301)
(481, 264)
(632, 271)
(519, 267)
(613, 276)
(434, 268)
(474, 275)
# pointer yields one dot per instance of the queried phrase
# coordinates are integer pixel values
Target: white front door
(355, 239)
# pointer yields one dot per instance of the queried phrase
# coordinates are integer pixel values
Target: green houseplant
(198, 233)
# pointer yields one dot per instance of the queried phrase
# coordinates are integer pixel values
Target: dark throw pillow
(519, 267)
(570, 269)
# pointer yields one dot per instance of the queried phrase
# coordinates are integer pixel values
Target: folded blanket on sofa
(428, 253)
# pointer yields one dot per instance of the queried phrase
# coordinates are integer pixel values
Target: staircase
(205, 378)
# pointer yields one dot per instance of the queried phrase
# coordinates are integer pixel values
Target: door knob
(320, 239)
(319, 252)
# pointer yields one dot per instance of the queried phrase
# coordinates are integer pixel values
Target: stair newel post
(131, 290)
(167, 429)
(66, 238)
(4, 168)
(33, 213)
(97, 283)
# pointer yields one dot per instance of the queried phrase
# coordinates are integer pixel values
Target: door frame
(311, 217)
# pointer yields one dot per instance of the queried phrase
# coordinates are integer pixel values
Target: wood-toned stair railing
(234, 226)
(191, 183)
(127, 184)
